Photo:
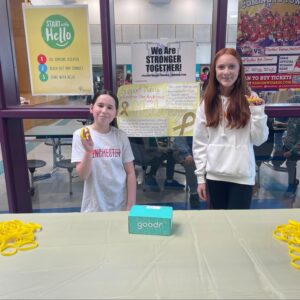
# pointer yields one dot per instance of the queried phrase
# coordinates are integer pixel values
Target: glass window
(26, 97)
(232, 19)
(142, 20)
(3, 193)
(278, 169)
(161, 177)
(54, 184)
(54, 188)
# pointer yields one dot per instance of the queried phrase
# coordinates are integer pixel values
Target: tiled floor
(52, 193)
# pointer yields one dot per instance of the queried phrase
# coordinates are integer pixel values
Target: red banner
(268, 40)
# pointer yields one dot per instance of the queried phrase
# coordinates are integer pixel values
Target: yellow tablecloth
(211, 254)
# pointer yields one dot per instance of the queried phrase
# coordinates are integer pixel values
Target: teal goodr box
(150, 219)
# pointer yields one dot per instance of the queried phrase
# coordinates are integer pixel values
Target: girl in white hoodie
(227, 126)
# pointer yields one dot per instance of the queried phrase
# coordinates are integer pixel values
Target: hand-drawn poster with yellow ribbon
(152, 110)
(58, 50)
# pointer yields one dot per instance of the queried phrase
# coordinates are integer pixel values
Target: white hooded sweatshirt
(225, 154)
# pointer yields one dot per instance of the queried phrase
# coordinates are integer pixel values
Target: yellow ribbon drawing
(125, 104)
(184, 123)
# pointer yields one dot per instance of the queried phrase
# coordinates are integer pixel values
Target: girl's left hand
(88, 145)
(202, 191)
(86, 139)
(189, 160)
(254, 101)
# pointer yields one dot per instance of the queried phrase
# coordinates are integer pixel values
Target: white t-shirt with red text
(105, 188)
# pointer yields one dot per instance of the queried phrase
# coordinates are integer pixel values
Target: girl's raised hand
(86, 139)
(253, 100)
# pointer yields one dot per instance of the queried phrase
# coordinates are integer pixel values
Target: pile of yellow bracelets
(290, 233)
(16, 235)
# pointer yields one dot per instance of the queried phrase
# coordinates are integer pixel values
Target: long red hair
(238, 112)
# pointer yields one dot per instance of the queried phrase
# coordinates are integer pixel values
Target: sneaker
(174, 184)
(277, 158)
(194, 201)
(151, 184)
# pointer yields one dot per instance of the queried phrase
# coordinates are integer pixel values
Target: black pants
(228, 195)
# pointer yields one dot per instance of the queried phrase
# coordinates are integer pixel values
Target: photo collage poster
(268, 40)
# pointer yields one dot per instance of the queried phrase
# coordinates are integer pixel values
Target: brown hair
(238, 112)
(114, 96)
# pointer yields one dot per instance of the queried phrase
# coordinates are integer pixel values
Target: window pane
(3, 193)
(276, 186)
(278, 169)
(176, 19)
(48, 145)
(161, 179)
(55, 186)
(22, 61)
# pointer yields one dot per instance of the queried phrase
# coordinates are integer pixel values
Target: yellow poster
(152, 110)
(58, 49)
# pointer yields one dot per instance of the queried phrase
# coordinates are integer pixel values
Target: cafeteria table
(55, 133)
(211, 254)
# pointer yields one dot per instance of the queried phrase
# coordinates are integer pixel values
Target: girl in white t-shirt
(104, 159)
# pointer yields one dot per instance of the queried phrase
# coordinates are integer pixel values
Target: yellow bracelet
(27, 245)
(292, 255)
(294, 223)
(294, 246)
(8, 246)
(280, 235)
(290, 233)
(16, 235)
(294, 264)
(34, 226)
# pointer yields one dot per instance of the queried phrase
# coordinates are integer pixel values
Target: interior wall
(176, 12)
